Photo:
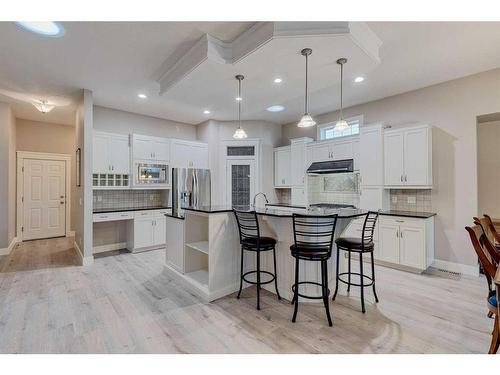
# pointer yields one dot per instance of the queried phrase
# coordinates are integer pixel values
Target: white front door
(240, 182)
(44, 199)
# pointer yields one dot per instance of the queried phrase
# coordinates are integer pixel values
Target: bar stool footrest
(365, 277)
(309, 283)
(255, 282)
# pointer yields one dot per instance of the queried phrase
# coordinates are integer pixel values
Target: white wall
(8, 182)
(451, 107)
(121, 122)
(83, 197)
(36, 136)
(489, 168)
(213, 132)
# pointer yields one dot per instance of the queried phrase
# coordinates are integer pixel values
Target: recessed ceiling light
(142, 96)
(52, 29)
(206, 111)
(278, 80)
(275, 108)
(359, 79)
(239, 98)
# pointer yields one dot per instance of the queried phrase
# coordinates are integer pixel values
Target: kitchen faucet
(255, 197)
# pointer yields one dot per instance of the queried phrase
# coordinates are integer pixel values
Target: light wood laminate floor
(127, 303)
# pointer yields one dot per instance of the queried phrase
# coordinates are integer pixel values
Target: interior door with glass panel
(240, 182)
(44, 199)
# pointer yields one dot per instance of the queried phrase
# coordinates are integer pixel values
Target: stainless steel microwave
(151, 174)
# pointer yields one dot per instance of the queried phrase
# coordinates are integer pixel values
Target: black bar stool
(360, 246)
(250, 240)
(313, 237)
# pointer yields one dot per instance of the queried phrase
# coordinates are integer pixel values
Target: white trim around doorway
(21, 155)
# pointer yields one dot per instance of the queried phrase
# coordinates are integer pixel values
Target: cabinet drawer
(399, 220)
(112, 216)
(144, 214)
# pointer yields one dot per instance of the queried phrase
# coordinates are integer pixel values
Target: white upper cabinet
(120, 154)
(371, 164)
(298, 161)
(149, 148)
(282, 167)
(408, 157)
(393, 158)
(187, 154)
(338, 149)
(111, 153)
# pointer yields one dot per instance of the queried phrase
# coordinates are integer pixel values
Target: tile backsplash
(104, 199)
(416, 200)
(284, 196)
(339, 188)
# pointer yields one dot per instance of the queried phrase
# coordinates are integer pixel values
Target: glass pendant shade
(306, 121)
(240, 134)
(43, 106)
(341, 125)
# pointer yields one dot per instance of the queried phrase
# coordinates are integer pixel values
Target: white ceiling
(118, 60)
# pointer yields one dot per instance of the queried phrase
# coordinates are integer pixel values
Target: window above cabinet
(326, 131)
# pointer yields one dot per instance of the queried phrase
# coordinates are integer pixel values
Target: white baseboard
(7, 250)
(110, 247)
(86, 261)
(70, 233)
(464, 269)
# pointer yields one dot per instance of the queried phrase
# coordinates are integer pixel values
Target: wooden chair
(492, 251)
(491, 227)
(480, 243)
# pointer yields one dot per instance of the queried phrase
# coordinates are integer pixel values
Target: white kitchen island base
(210, 252)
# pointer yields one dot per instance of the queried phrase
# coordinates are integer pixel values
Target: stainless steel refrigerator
(190, 188)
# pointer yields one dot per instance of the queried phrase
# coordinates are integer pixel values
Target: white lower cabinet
(400, 241)
(407, 242)
(148, 232)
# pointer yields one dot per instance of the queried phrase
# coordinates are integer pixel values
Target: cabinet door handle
(112, 167)
(406, 178)
(401, 178)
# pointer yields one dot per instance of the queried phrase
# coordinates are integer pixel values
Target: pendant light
(239, 133)
(341, 124)
(306, 120)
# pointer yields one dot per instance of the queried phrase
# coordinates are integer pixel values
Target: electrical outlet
(151, 197)
(99, 198)
(394, 199)
(412, 200)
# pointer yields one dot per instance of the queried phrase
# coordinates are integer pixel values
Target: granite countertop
(109, 210)
(268, 211)
(283, 205)
(417, 215)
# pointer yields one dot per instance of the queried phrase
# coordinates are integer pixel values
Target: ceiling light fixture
(239, 133)
(278, 80)
(43, 106)
(275, 108)
(359, 79)
(142, 96)
(206, 111)
(306, 120)
(238, 98)
(341, 124)
(50, 29)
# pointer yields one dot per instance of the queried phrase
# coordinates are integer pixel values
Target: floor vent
(443, 272)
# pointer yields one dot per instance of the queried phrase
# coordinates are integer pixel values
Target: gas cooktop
(331, 205)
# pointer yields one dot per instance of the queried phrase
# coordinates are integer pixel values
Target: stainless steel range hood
(331, 166)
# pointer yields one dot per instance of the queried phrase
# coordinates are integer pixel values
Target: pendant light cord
(306, 104)
(341, 91)
(239, 103)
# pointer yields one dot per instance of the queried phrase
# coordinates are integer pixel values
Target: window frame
(321, 128)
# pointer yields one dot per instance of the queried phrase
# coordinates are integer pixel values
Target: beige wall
(451, 107)
(121, 122)
(213, 132)
(38, 136)
(488, 163)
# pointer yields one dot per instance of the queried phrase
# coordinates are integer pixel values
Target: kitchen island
(207, 258)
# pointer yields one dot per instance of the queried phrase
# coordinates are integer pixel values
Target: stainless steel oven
(151, 174)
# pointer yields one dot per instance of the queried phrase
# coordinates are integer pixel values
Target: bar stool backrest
(314, 233)
(369, 227)
(248, 224)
